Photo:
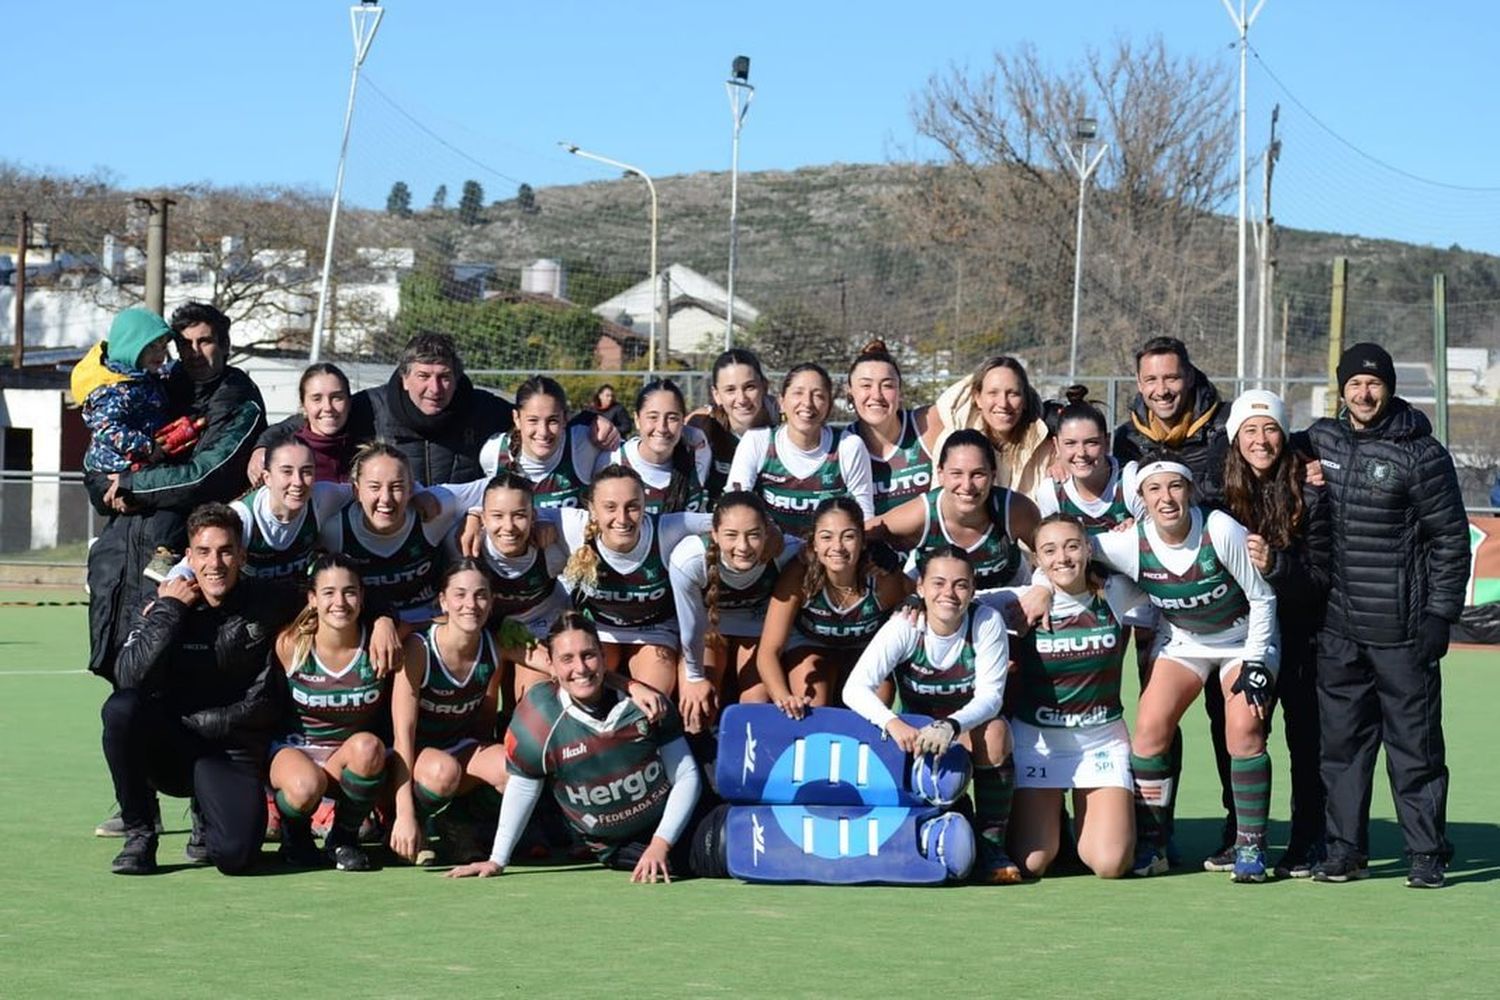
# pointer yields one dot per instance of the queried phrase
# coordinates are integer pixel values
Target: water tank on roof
(545, 277)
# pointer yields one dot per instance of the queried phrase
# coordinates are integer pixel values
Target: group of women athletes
(984, 560)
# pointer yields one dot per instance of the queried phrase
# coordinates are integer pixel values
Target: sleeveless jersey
(754, 596)
(996, 557)
(935, 691)
(1070, 676)
(637, 599)
(606, 774)
(405, 580)
(1204, 600)
(792, 499)
(562, 487)
(695, 499)
(331, 707)
(448, 710)
(1117, 513)
(827, 626)
(519, 595)
(906, 473)
(286, 566)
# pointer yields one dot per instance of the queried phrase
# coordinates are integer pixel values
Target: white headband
(1152, 469)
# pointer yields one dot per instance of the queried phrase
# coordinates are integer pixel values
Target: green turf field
(68, 927)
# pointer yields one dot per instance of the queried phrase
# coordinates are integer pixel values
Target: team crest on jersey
(642, 726)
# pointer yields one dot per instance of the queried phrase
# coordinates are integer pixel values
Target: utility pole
(1085, 130)
(741, 93)
(1267, 268)
(156, 252)
(1242, 24)
(23, 237)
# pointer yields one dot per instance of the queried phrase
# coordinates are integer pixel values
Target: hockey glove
(935, 737)
(1255, 683)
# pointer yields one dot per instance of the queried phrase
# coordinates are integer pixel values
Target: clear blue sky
(168, 92)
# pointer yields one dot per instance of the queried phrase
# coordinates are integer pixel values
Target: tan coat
(1022, 466)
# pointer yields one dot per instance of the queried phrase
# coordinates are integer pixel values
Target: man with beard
(1177, 409)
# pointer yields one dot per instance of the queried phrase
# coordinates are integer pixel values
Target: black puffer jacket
(1392, 538)
(441, 449)
(1203, 450)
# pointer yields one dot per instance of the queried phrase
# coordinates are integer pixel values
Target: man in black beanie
(1395, 543)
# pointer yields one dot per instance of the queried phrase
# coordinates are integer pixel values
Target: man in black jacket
(196, 704)
(1177, 408)
(203, 385)
(1394, 541)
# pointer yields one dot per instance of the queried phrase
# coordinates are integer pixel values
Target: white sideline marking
(799, 761)
(862, 766)
(807, 834)
(843, 837)
(39, 673)
(835, 758)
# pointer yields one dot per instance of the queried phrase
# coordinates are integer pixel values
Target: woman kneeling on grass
(626, 785)
(952, 669)
(443, 712)
(1068, 721)
(338, 698)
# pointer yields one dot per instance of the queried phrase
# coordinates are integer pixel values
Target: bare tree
(1002, 203)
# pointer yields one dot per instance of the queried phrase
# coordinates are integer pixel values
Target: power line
(434, 136)
(1368, 156)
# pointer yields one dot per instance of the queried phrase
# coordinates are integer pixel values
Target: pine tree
(471, 204)
(398, 202)
(526, 200)
(440, 198)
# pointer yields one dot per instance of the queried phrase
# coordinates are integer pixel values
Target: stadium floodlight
(364, 20)
(573, 147)
(741, 93)
(1085, 131)
(1242, 23)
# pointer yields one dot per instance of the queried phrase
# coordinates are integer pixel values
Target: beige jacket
(1023, 466)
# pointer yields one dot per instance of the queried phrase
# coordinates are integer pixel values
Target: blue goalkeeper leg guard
(839, 845)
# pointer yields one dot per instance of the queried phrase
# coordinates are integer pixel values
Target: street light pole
(364, 21)
(655, 281)
(1084, 130)
(1242, 23)
(739, 89)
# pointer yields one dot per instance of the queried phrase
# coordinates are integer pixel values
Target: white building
(696, 308)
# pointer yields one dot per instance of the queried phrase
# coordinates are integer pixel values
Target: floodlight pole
(1084, 167)
(741, 93)
(655, 280)
(364, 21)
(1242, 23)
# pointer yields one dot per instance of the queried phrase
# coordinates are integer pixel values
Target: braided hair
(583, 563)
(537, 385)
(711, 557)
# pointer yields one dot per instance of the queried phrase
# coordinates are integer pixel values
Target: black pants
(1297, 694)
(700, 851)
(117, 588)
(1366, 696)
(148, 749)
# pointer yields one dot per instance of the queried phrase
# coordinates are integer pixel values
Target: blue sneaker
(1249, 863)
(1149, 860)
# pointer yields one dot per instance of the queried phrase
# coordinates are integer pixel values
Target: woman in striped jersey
(671, 458)
(617, 574)
(969, 511)
(399, 555)
(722, 584)
(824, 610)
(1067, 720)
(740, 402)
(338, 699)
(900, 465)
(557, 459)
(1086, 481)
(953, 669)
(443, 712)
(282, 518)
(798, 465)
(1217, 622)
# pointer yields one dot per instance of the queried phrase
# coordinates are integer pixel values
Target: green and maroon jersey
(822, 624)
(996, 557)
(562, 487)
(447, 708)
(404, 582)
(1204, 600)
(606, 773)
(518, 595)
(333, 705)
(638, 599)
(938, 691)
(906, 473)
(793, 499)
(1118, 512)
(1070, 676)
(286, 566)
(755, 595)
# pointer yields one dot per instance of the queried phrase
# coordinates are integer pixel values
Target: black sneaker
(1298, 861)
(195, 852)
(1426, 872)
(1222, 860)
(298, 848)
(115, 826)
(1340, 869)
(344, 853)
(138, 856)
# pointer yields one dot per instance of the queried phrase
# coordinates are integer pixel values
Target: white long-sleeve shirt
(1250, 637)
(897, 641)
(854, 462)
